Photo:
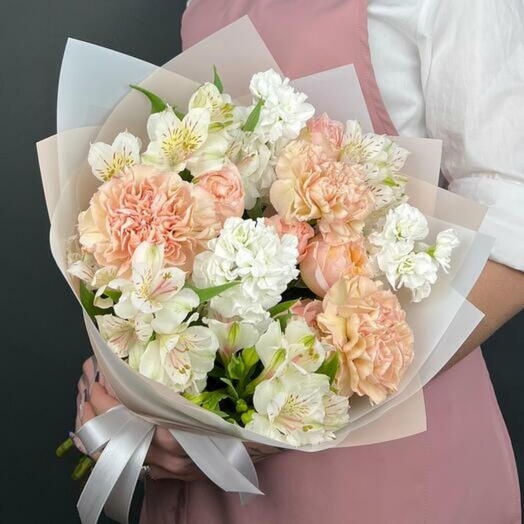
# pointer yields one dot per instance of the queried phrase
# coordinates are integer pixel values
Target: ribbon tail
(227, 465)
(109, 467)
(119, 501)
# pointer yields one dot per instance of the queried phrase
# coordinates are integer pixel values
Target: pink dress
(462, 469)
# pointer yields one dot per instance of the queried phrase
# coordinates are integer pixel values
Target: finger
(178, 467)
(165, 440)
(158, 473)
(88, 370)
(100, 400)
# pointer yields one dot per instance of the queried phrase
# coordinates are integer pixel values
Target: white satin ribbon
(125, 439)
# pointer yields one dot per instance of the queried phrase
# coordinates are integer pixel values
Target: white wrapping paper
(95, 103)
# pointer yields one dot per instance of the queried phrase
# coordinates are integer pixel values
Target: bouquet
(249, 266)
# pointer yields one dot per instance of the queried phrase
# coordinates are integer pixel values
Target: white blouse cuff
(504, 220)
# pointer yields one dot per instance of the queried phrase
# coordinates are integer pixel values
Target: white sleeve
(472, 60)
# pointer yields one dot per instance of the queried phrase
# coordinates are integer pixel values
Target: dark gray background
(43, 339)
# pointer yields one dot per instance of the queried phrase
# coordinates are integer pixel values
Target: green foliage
(282, 307)
(217, 80)
(157, 104)
(329, 367)
(253, 118)
(87, 298)
(205, 294)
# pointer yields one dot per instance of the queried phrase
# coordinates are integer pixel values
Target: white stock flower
(403, 224)
(285, 111)
(182, 359)
(252, 158)
(298, 408)
(106, 160)
(155, 290)
(446, 241)
(303, 350)
(415, 271)
(174, 141)
(252, 253)
(127, 338)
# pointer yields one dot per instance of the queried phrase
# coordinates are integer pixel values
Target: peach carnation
(302, 230)
(225, 186)
(324, 133)
(323, 263)
(310, 186)
(144, 204)
(368, 328)
(308, 309)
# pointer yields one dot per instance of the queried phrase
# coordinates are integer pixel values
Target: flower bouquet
(250, 267)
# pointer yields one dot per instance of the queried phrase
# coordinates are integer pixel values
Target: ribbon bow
(125, 438)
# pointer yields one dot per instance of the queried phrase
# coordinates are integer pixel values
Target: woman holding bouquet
(446, 70)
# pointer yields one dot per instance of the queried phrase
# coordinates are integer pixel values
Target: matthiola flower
(285, 110)
(182, 359)
(298, 408)
(445, 243)
(156, 290)
(404, 224)
(106, 160)
(303, 350)
(252, 158)
(253, 254)
(174, 141)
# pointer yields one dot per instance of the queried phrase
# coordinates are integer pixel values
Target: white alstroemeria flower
(403, 224)
(285, 111)
(219, 104)
(127, 338)
(211, 156)
(253, 254)
(154, 289)
(380, 158)
(252, 158)
(232, 336)
(174, 141)
(106, 160)
(84, 266)
(446, 241)
(298, 408)
(182, 359)
(303, 350)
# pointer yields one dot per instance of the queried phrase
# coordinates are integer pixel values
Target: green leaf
(283, 319)
(257, 210)
(212, 403)
(329, 367)
(253, 118)
(87, 298)
(250, 357)
(230, 388)
(208, 293)
(236, 367)
(157, 104)
(178, 113)
(283, 306)
(113, 294)
(217, 80)
(186, 175)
